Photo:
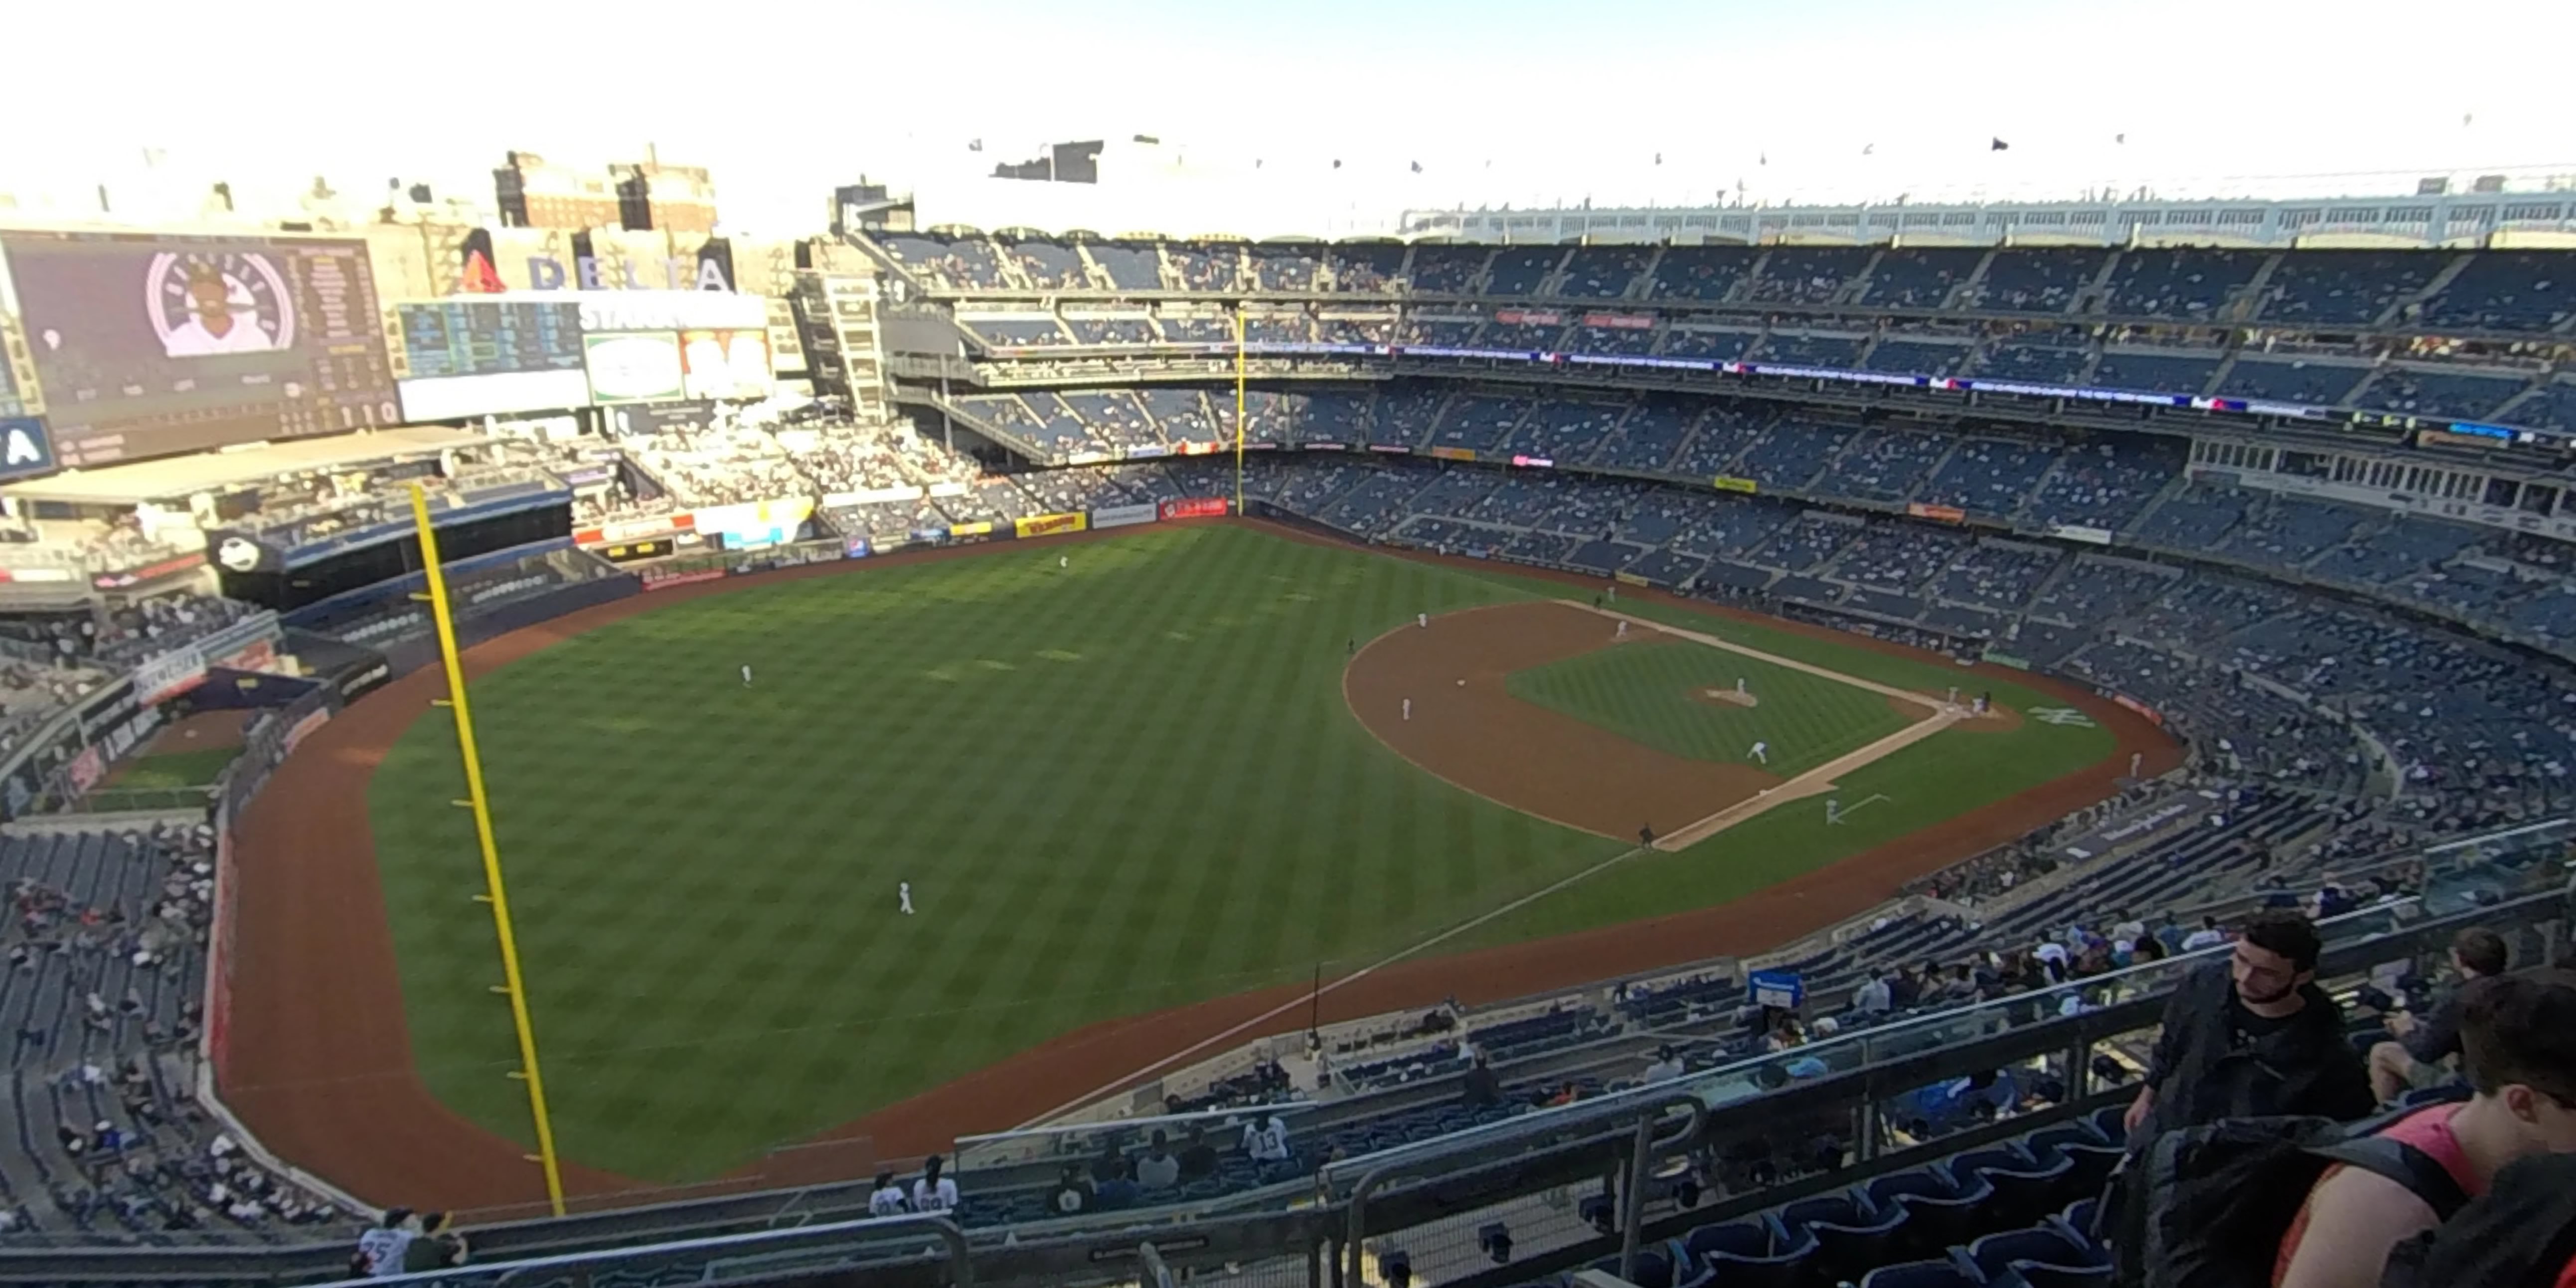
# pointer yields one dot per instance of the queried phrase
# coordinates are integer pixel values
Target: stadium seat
(1995, 1253)
(1919, 1274)
(1764, 1258)
(1848, 1251)
(1654, 1268)
(1942, 1211)
(2092, 1158)
(2026, 1194)
(2036, 1275)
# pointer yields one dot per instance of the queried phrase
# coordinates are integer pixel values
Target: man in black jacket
(2254, 1038)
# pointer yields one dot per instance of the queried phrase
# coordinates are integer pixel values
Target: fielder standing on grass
(746, 675)
(903, 896)
(1762, 752)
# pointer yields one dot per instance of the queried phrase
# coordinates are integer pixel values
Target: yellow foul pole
(1238, 409)
(475, 800)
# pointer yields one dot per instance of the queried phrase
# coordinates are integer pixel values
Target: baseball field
(1139, 801)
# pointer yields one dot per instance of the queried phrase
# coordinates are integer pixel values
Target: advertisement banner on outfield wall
(1730, 483)
(86, 769)
(1453, 453)
(1047, 525)
(1936, 513)
(979, 528)
(1120, 516)
(855, 548)
(2153, 716)
(1194, 507)
(167, 676)
(1630, 579)
(2079, 532)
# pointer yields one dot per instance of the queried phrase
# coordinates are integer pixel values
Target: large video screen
(151, 345)
(640, 367)
(727, 364)
(466, 358)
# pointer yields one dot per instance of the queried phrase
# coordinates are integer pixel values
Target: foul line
(1814, 782)
(1794, 664)
(1307, 999)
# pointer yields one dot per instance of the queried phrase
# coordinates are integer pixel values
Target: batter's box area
(1442, 696)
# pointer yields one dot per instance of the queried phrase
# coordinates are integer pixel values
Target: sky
(1500, 102)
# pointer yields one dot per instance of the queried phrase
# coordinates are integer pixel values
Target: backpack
(2209, 1205)
(2522, 1234)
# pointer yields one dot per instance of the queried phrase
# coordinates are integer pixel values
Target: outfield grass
(1125, 786)
(1643, 692)
(1113, 789)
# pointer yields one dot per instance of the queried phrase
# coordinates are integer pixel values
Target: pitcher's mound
(1727, 698)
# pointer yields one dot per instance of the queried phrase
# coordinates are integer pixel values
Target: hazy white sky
(1500, 101)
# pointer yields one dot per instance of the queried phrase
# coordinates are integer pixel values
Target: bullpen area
(1139, 800)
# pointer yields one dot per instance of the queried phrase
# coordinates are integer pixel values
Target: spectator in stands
(1481, 1087)
(382, 1247)
(1117, 1189)
(2418, 1058)
(437, 1248)
(1071, 1193)
(887, 1199)
(2518, 1038)
(1266, 1139)
(2208, 936)
(1198, 1158)
(933, 1192)
(1667, 1065)
(1874, 996)
(1158, 1170)
(2253, 1037)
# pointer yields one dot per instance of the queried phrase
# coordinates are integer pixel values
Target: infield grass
(1644, 690)
(1128, 785)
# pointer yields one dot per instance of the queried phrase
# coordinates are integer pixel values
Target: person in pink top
(2518, 1046)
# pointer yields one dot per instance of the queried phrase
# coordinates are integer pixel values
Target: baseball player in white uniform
(1422, 620)
(1408, 708)
(1064, 561)
(746, 675)
(1762, 752)
(903, 896)
(1622, 632)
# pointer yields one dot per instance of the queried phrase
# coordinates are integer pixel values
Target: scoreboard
(463, 358)
(489, 337)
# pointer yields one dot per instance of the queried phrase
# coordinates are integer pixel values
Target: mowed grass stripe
(1123, 785)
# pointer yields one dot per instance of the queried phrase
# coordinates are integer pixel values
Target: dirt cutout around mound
(1464, 726)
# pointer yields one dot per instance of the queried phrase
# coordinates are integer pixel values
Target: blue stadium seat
(1919, 1274)
(1654, 1268)
(1847, 1251)
(2036, 1275)
(1993, 1254)
(1753, 1254)
(1941, 1211)
(2027, 1193)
